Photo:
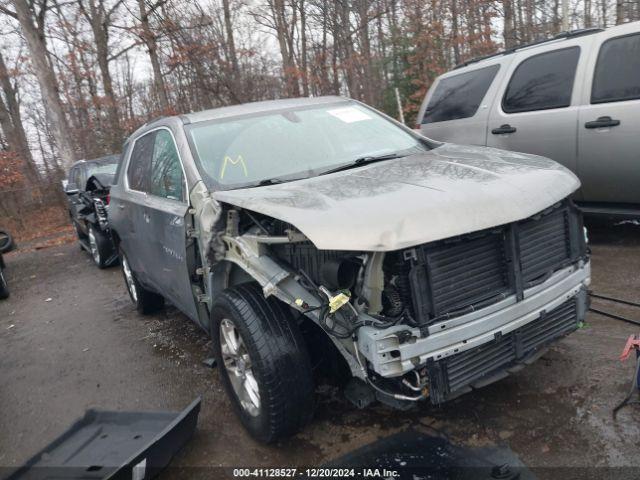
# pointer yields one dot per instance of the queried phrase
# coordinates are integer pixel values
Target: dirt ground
(70, 340)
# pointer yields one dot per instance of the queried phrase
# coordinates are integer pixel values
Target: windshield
(294, 143)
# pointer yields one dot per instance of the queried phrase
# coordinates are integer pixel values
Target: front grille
(467, 272)
(459, 372)
(451, 277)
(544, 244)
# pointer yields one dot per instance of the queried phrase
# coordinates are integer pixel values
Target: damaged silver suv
(320, 230)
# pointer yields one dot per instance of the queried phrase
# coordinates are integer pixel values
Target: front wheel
(4, 288)
(264, 364)
(146, 301)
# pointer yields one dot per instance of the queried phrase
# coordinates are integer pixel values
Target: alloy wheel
(239, 367)
(128, 276)
(93, 245)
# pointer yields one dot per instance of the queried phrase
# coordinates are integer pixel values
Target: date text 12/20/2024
(321, 473)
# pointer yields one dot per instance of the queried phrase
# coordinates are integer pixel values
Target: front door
(608, 133)
(538, 111)
(166, 224)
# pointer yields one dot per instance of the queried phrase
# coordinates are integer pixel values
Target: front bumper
(397, 350)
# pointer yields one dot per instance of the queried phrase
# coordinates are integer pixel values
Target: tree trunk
(587, 14)
(13, 128)
(365, 52)
(509, 32)
(97, 18)
(619, 12)
(303, 47)
(455, 31)
(231, 49)
(149, 39)
(47, 81)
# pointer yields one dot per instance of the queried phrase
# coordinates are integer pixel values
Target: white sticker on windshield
(349, 114)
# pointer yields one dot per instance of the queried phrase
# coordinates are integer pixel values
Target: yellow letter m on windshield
(237, 161)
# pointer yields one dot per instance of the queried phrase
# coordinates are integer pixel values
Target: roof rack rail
(152, 121)
(560, 36)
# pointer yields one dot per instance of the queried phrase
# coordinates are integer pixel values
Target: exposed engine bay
(430, 321)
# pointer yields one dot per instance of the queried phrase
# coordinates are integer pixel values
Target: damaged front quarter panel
(222, 245)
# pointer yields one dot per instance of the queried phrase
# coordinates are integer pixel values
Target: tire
(6, 242)
(270, 363)
(4, 288)
(146, 301)
(99, 247)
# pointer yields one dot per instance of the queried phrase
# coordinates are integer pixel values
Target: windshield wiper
(363, 161)
(269, 181)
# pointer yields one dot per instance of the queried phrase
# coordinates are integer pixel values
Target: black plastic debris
(113, 445)
(416, 456)
(209, 362)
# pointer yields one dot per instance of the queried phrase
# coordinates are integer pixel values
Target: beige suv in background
(574, 99)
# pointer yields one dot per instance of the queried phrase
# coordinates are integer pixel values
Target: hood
(394, 204)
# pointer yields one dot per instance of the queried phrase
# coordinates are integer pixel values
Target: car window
(97, 168)
(542, 82)
(73, 176)
(459, 96)
(617, 74)
(166, 171)
(140, 163)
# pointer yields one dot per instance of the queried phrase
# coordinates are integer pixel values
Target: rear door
(457, 106)
(132, 206)
(608, 123)
(538, 110)
(166, 220)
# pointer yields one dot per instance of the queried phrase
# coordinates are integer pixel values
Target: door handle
(602, 122)
(503, 129)
(121, 206)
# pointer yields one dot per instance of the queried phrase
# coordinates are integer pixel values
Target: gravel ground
(70, 340)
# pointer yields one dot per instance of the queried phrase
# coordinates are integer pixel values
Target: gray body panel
(607, 160)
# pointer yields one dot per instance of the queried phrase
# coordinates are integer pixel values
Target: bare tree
(100, 18)
(149, 38)
(26, 14)
(12, 124)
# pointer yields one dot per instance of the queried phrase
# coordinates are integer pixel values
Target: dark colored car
(87, 189)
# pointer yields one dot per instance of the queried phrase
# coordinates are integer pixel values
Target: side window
(542, 82)
(617, 74)
(459, 96)
(140, 163)
(166, 171)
